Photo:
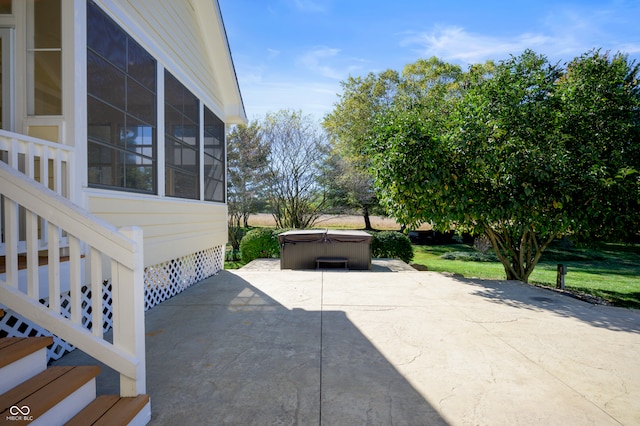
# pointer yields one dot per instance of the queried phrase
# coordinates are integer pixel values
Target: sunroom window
(214, 157)
(121, 108)
(44, 57)
(182, 139)
(5, 7)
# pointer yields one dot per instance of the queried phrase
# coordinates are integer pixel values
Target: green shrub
(235, 235)
(259, 243)
(232, 255)
(466, 256)
(392, 244)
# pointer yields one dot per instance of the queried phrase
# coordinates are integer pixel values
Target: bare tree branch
(298, 147)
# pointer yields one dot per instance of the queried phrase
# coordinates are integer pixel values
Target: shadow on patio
(224, 352)
(529, 296)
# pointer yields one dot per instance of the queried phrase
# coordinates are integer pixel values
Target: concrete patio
(390, 346)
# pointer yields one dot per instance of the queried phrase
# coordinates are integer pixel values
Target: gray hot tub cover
(323, 236)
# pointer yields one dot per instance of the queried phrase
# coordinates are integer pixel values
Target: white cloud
(565, 32)
(251, 75)
(273, 53)
(316, 59)
(268, 87)
(309, 6)
(631, 48)
(456, 44)
(310, 97)
(328, 62)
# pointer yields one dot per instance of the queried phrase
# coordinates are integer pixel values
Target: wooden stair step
(14, 348)
(45, 390)
(110, 410)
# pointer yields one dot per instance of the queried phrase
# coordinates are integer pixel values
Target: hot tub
(312, 249)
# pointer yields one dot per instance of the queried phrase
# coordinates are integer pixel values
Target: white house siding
(185, 37)
(172, 227)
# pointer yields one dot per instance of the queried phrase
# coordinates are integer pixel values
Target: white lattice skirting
(165, 280)
(162, 282)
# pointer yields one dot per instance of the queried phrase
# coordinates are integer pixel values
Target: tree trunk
(367, 219)
(519, 256)
(509, 270)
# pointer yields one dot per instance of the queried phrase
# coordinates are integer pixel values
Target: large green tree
(526, 152)
(600, 121)
(348, 187)
(430, 83)
(350, 124)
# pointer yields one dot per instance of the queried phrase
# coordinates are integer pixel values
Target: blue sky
(294, 53)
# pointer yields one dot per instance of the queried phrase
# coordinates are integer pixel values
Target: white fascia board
(219, 54)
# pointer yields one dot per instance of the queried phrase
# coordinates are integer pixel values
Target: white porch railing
(112, 253)
(46, 162)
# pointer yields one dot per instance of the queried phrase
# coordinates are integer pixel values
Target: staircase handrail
(32, 140)
(124, 246)
(30, 147)
(49, 162)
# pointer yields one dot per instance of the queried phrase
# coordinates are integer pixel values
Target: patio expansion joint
(321, 347)
(370, 307)
(493, 321)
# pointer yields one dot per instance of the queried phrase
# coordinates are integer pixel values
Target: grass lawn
(231, 264)
(612, 271)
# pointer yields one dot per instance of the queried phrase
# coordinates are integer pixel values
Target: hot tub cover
(323, 236)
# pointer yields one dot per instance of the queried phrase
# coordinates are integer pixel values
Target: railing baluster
(44, 167)
(44, 180)
(70, 176)
(13, 154)
(57, 172)
(29, 162)
(33, 264)
(11, 241)
(56, 177)
(96, 292)
(128, 308)
(75, 278)
(54, 269)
